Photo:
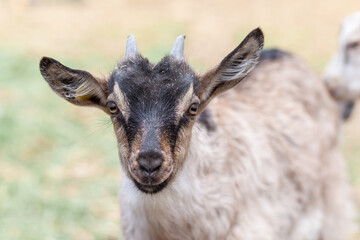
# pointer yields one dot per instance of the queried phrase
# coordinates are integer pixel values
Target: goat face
(342, 75)
(153, 107)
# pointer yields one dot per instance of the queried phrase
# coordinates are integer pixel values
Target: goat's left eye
(112, 107)
(353, 45)
(193, 109)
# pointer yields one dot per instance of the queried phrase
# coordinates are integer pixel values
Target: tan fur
(133, 164)
(123, 146)
(271, 170)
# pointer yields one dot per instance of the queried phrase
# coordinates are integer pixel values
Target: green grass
(59, 169)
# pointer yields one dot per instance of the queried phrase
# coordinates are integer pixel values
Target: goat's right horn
(178, 48)
(131, 47)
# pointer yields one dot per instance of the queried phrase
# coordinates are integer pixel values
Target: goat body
(269, 168)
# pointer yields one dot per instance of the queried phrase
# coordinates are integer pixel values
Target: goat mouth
(151, 189)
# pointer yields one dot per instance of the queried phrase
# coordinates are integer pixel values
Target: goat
(342, 75)
(261, 161)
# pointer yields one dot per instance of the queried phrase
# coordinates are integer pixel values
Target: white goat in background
(342, 75)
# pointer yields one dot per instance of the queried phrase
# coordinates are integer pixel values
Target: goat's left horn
(131, 47)
(178, 48)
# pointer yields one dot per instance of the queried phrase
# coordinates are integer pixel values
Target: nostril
(150, 165)
(155, 165)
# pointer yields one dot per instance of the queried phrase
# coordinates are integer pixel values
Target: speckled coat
(266, 166)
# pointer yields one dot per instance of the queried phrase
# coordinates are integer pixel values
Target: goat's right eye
(113, 109)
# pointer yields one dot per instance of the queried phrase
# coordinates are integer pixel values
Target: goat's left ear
(76, 86)
(233, 68)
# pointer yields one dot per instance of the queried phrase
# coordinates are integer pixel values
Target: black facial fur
(152, 92)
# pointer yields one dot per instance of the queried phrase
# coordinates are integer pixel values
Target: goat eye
(193, 109)
(352, 45)
(112, 107)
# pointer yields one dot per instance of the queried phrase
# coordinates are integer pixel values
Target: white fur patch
(342, 74)
(239, 69)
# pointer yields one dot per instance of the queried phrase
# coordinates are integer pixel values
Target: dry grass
(58, 165)
(76, 28)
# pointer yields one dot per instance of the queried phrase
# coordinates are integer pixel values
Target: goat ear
(76, 86)
(233, 68)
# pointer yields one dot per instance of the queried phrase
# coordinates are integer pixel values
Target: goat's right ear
(76, 86)
(232, 69)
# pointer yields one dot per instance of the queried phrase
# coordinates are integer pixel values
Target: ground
(59, 170)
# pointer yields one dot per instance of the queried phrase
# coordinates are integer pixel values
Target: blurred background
(59, 169)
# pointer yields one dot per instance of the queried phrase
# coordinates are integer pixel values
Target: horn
(178, 48)
(131, 47)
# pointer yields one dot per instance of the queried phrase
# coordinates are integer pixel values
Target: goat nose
(150, 164)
